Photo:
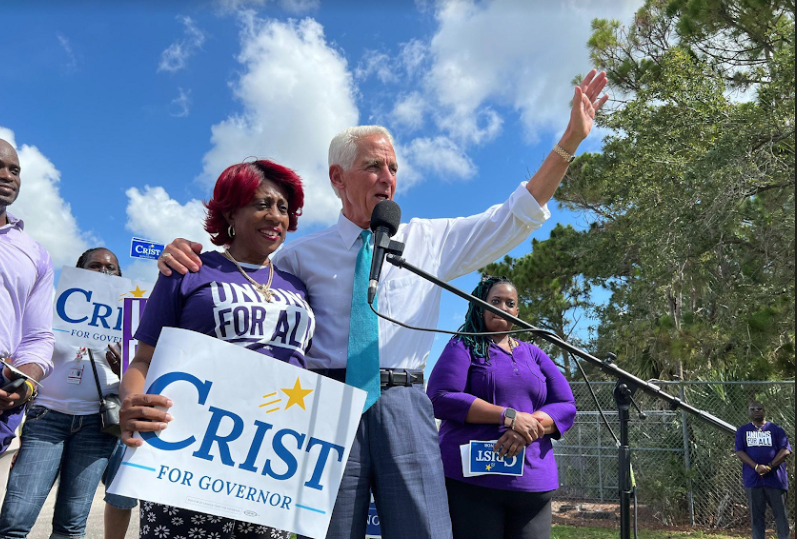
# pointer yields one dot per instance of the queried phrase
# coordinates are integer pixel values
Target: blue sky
(124, 113)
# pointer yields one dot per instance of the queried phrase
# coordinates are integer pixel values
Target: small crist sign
(141, 248)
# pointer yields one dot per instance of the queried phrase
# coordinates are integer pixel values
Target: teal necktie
(362, 366)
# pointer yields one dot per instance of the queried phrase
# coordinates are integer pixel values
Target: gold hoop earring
(230, 231)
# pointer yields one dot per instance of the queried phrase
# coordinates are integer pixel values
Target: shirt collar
(13, 222)
(349, 232)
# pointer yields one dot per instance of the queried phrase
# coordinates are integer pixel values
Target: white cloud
(71, 64)
(176, 55)
(8, 135)
(182, 104)
(441, 156)
(290, 6)
(48, 218)
(512, 53)
(409, 110)
(154, 215)
(141, 270)
(297, 93)
(376, 63)
(412, 55)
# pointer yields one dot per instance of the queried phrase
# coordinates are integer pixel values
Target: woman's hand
(509, 444)
(528, 426)
(139, 414)
(114, 357)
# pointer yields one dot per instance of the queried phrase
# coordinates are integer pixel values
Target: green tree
(553, 293)
(692, 196)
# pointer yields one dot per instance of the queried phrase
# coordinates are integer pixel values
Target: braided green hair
(479, 346)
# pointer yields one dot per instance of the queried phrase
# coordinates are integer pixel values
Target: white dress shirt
(446, 248)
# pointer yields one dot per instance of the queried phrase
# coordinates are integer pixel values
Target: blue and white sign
(140, 248)
(252, 438)
(478, 458)
(88, 306)
(373, 530)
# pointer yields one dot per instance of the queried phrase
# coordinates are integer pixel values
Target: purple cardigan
(528, 382)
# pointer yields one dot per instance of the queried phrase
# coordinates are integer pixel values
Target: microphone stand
(627, 385)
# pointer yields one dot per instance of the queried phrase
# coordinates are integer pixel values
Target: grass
(573, 532)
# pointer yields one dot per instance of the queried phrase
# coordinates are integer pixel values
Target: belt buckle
(408, 381)
(390, 380)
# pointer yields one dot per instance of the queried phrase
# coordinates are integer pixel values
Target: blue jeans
(757, 499)
(114, 462)
(55, 445)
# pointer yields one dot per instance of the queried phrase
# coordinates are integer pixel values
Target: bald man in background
(26, 304)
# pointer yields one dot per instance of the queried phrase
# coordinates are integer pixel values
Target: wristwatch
(510, 414)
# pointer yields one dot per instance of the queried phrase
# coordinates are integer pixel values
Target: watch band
(511, 415)
(564, 154)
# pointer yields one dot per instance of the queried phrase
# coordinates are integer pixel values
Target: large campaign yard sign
(252, 438)
(88, 307)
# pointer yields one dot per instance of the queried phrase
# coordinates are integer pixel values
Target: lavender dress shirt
(527, 381)
(26, 309)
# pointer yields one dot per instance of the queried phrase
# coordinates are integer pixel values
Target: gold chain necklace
(512, 347)
(264, 289)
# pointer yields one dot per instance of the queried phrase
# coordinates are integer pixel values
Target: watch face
(511, 413)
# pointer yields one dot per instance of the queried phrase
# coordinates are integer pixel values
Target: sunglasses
(755, 408)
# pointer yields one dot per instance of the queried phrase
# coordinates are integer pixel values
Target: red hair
(236, 188)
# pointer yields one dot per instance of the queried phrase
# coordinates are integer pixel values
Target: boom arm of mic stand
(609, 369)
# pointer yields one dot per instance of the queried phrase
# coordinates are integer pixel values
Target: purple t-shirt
(218, 301)
(527, 381)
(761, 445)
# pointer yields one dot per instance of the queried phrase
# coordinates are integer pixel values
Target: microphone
(384, 223)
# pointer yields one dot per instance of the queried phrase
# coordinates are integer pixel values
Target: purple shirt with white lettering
(527, 381)
(761, 445)
(220, 302)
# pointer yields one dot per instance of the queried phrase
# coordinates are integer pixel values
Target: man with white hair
(26, 307)
(395, 452)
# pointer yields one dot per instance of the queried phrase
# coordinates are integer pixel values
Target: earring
(230, 231)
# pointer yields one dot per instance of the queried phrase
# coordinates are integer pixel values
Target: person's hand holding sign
(140, 412)
(509, 444)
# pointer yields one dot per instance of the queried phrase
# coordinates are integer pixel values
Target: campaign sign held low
(140, 248)
(252, 438)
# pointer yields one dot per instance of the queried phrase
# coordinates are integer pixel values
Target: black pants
(480, 512)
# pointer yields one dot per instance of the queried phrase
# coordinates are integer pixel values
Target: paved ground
(95, 528)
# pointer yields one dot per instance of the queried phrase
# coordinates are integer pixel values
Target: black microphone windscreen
(387, 214)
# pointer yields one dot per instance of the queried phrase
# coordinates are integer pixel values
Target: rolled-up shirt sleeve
(36, 345)
(466, 244)
(560, 404)
(447, 384)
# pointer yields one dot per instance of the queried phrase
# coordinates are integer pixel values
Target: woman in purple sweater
(498, 388)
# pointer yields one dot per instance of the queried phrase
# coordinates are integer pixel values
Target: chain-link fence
(686, 470)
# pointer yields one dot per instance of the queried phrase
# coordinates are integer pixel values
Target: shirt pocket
(394, 301)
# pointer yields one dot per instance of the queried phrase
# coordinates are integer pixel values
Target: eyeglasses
(756, 408)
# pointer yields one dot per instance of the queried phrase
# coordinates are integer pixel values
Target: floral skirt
(166, 522)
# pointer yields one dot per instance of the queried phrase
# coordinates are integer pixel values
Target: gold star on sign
(296, 395)
(138, 293)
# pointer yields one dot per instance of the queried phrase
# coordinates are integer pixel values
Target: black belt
(391, 377)
(388, 377)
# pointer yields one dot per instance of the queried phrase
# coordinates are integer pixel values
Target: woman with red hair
(254, 206)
